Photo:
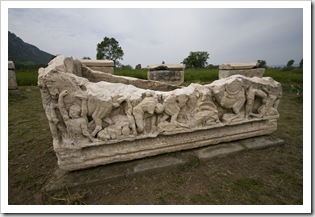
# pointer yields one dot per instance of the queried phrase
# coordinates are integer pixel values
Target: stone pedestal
(11, 76)
(246, 69)
(106, 66)
(168, 73)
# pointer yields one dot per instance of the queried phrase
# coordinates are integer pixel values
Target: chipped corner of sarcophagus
(95, 123)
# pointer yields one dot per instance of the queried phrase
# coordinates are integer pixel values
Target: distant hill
(21, 52)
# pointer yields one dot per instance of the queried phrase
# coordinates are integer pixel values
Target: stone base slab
(237, 146)
(161, 163)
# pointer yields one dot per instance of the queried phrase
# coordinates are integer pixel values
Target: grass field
(28, 77)
(269, 176)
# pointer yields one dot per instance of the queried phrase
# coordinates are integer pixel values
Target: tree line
(110, 49)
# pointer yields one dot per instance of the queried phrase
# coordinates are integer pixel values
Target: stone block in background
(106, 66)
(234, 66)
(245, 72)
(168, 73)
(12, 84)
(246, 69)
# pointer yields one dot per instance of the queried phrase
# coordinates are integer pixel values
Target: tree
(262, 63)
(301, 63)
(109, 49)
(86, 58)
(290, 63)
(196, 59)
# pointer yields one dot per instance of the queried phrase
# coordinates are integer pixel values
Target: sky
(152, 35)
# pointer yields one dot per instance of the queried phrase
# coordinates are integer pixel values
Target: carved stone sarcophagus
(97, 120)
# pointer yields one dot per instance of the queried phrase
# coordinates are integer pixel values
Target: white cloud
(150, 36)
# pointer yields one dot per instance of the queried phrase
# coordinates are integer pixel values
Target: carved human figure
(76, 121)
(251, 94)
(51, 106)
(205, 111)
(99, 107)
(131, 119)
(233, 97)
(172, 105)
(149, 105)
(273, 100)
(118, 129)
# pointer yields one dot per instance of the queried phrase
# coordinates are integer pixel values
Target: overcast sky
(150, 36)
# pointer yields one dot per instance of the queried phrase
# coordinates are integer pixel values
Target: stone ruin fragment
(167, 73)
(250, 69)
(96, 118)
(12, 84)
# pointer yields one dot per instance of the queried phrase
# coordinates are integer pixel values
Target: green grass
(201, 76)
(283, 76)
(137, 73)
(26, 77)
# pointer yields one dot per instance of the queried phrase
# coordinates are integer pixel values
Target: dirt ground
(268, 176)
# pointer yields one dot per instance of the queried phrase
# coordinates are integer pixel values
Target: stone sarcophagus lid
(167, 73)
(247, 69)
(95, 122)
(106, 66)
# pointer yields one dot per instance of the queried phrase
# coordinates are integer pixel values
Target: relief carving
(86, 114)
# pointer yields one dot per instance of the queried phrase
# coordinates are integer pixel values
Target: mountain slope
(21, 52)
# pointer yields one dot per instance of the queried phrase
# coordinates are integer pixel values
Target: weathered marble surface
(157, 67)
(246, 69)
(11, 65)
(240, 65)
(95, 76)
(106, 66)
(168, 73)
(100, 63)
(12, 84)
(259, 72)
(103, 122)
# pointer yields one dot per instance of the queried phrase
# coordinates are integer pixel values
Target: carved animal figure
(172, 106)
(99, 107)
(251, 94)
(149, 105)
(75, 120)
